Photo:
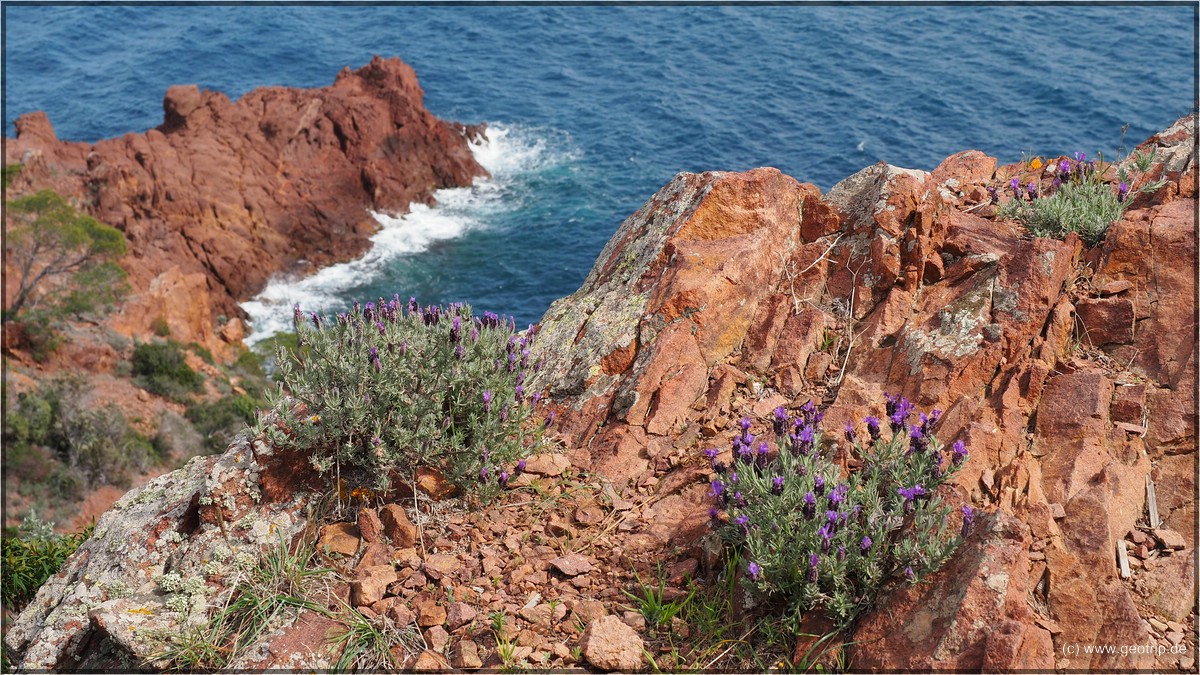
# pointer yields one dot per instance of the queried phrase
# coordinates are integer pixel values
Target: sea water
(592, 109)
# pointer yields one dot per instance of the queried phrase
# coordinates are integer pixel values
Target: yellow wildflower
(314, 419)
(1036, 163)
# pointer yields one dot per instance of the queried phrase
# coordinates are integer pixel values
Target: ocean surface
(592, 109)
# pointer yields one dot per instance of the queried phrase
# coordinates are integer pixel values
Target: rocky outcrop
(750, 291)
(224, 194)
(1068, 373)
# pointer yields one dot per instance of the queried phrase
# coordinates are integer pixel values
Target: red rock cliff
(222, 195)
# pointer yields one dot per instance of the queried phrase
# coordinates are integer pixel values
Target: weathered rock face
(231, 193)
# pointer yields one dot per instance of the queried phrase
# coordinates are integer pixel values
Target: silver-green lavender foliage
(1078, 199)
(388, 388)
(821, 542)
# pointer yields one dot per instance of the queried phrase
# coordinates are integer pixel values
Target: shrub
(221, 421)
(31, 556)
(161, 370)
(1077, 199)
(386, 391)
(817, 541)
(176, 439)
(29, 420)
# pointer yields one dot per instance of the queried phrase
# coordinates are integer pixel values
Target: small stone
(438, 565)
(1139, 537)
(1149, 564)
(466, 656)
(1057, 511)
(433, 483)
(429, 613)
(609, 644)
(1176, 627)
(634, 620)
(559, 528)
(1170, 539)
(547, 464)
(1158, 625)
(371, 584)
(589, 515)
(1037, 555)
(1187, 663)
(369, 525)
(459, 614)
(1174, 637)
(538, 615)
(588, 611)
(571, 564)
(430, 661)
(341, 538)
(401, 615)
(397, 527)
(436, 638)
(375, 553)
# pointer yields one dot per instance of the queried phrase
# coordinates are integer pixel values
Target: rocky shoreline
(1069, 372)
(223, 195)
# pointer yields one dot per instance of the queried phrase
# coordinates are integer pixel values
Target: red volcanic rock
(236, 192)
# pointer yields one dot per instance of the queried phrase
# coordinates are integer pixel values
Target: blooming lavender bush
(386, 388)
(1077, 199)
(820, 539)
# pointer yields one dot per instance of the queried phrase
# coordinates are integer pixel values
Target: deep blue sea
(592, 109)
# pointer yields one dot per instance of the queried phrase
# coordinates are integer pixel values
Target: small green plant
(1077, 199)
(385, 391)
(819, 542)
(32, 554)
(652, 604)
(160, 327)
(161, 369)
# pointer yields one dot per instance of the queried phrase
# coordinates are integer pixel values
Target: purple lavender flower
(865, 544)
(819, 485)
(909, 574)
(733, 477)
(777, 485)
(993, 196)
(738, 499)
(809, 507)
(753, 570)
(849, 431)
(910, 495)
(811, 415)
(968, 520)
(917, 442)
(826, 537)
(872, 427)
(1064, 169)
(487, 401)
(841, 553)
(714, 513)
(504, 413)
(456, 330)
(375, 359)
(459, 353)
(813, 561)
(1032, 190)
(761, 460)
(503, 479)
(520, 468)
(549, 420)
(742, 521)
(838, 495)
(745, 424)
(807, 437)
(1015, 185)
(483, 475)
(898, 413)
(717, 490)
(959, 453)
(519, 392)
(780, 421)
(1122, 191)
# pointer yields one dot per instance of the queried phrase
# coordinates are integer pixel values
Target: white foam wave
(506, 153)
